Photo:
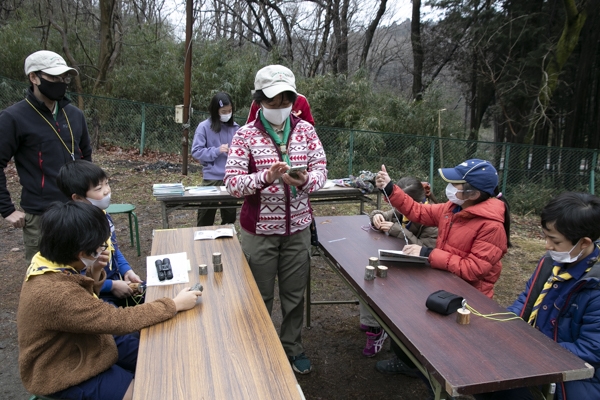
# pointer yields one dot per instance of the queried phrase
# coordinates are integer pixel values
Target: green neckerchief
(282, 143)
(55, 112)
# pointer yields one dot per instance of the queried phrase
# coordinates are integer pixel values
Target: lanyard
(279, 142)
(72, 151)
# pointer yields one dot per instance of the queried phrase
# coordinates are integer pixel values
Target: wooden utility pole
(187, 82)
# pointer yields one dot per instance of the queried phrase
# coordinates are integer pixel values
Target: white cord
(395, 215)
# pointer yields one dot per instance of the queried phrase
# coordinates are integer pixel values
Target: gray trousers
(286, 258)
(366, 318)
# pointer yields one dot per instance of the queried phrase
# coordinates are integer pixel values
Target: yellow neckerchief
(40, 265)
(111, 248)
(559, 274)
(72, 151)
(406, 221)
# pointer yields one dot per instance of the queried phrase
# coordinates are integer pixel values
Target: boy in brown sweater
(66, 343)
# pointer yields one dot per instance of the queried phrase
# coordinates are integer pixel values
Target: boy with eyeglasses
(84, 181)
(42, 132)
(66, 345)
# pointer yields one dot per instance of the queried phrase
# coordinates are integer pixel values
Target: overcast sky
(397, 11)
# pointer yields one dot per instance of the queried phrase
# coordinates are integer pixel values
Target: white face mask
(101, 204)
(451, 191)
(225, 117)
(88, 262)
(276, 116)
(565, 256)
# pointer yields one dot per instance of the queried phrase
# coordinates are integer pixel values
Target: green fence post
(431, 161)
(593, 172)
(506, 161)
(350, 152)
(143, 139)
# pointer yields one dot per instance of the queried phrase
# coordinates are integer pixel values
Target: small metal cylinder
(382, 271)
(203, 269)
(217, 267)
(369, 273)
(216, 258)
(373, 261)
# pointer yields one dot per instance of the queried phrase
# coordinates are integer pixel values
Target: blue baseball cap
(480, 174)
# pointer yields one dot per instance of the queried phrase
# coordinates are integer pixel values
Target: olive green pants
(286, 258)
(31, 236)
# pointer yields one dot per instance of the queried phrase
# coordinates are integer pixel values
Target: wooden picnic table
(484, 356)
(222, 199)
(224, 348)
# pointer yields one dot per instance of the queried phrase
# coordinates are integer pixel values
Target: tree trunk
(371, 32)
(108, 53)
(417, 49)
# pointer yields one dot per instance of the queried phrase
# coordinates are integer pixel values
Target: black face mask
(52, 90)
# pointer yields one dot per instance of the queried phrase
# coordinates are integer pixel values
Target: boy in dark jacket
(562, 297)
(84, 181)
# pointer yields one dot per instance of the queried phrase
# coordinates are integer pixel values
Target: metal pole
(593, 172)
(440, 136)
(187, 79)
(431, 163)
(143, 139)
(350, 152)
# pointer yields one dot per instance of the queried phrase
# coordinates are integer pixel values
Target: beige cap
(48, 62)
(274, 79)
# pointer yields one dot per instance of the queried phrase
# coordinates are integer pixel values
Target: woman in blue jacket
(210, 147)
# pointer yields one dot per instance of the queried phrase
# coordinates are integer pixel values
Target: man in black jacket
(42, 132)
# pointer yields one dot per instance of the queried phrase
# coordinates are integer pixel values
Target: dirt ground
(333, 343)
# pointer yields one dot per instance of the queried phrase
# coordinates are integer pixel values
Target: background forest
(527, 69)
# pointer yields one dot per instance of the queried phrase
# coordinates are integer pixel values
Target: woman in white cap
(276, 215)
(473, 231)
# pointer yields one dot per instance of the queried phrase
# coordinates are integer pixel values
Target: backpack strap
(542, 273)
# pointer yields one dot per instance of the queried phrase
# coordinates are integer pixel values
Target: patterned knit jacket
(271, 209)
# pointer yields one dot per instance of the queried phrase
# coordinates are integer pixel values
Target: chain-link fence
(529, 175)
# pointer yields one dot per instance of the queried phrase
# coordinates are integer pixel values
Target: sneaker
(301, 364)
(374, 343)
(364, 327)
(394, 366)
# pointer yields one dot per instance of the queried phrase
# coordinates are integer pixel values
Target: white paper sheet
(179, 264)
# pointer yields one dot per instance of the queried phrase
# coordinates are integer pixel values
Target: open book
(222, 232)
(398, 255)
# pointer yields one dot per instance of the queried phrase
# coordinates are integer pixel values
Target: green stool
(127, 209)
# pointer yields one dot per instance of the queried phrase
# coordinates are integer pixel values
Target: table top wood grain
(483, 356)
(224, 348)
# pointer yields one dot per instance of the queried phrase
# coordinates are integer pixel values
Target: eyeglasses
(101, 248)
(57, 78)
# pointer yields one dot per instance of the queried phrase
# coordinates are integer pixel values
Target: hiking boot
(374, 343)
(394, 366)
(300, 363)
(364, 327)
